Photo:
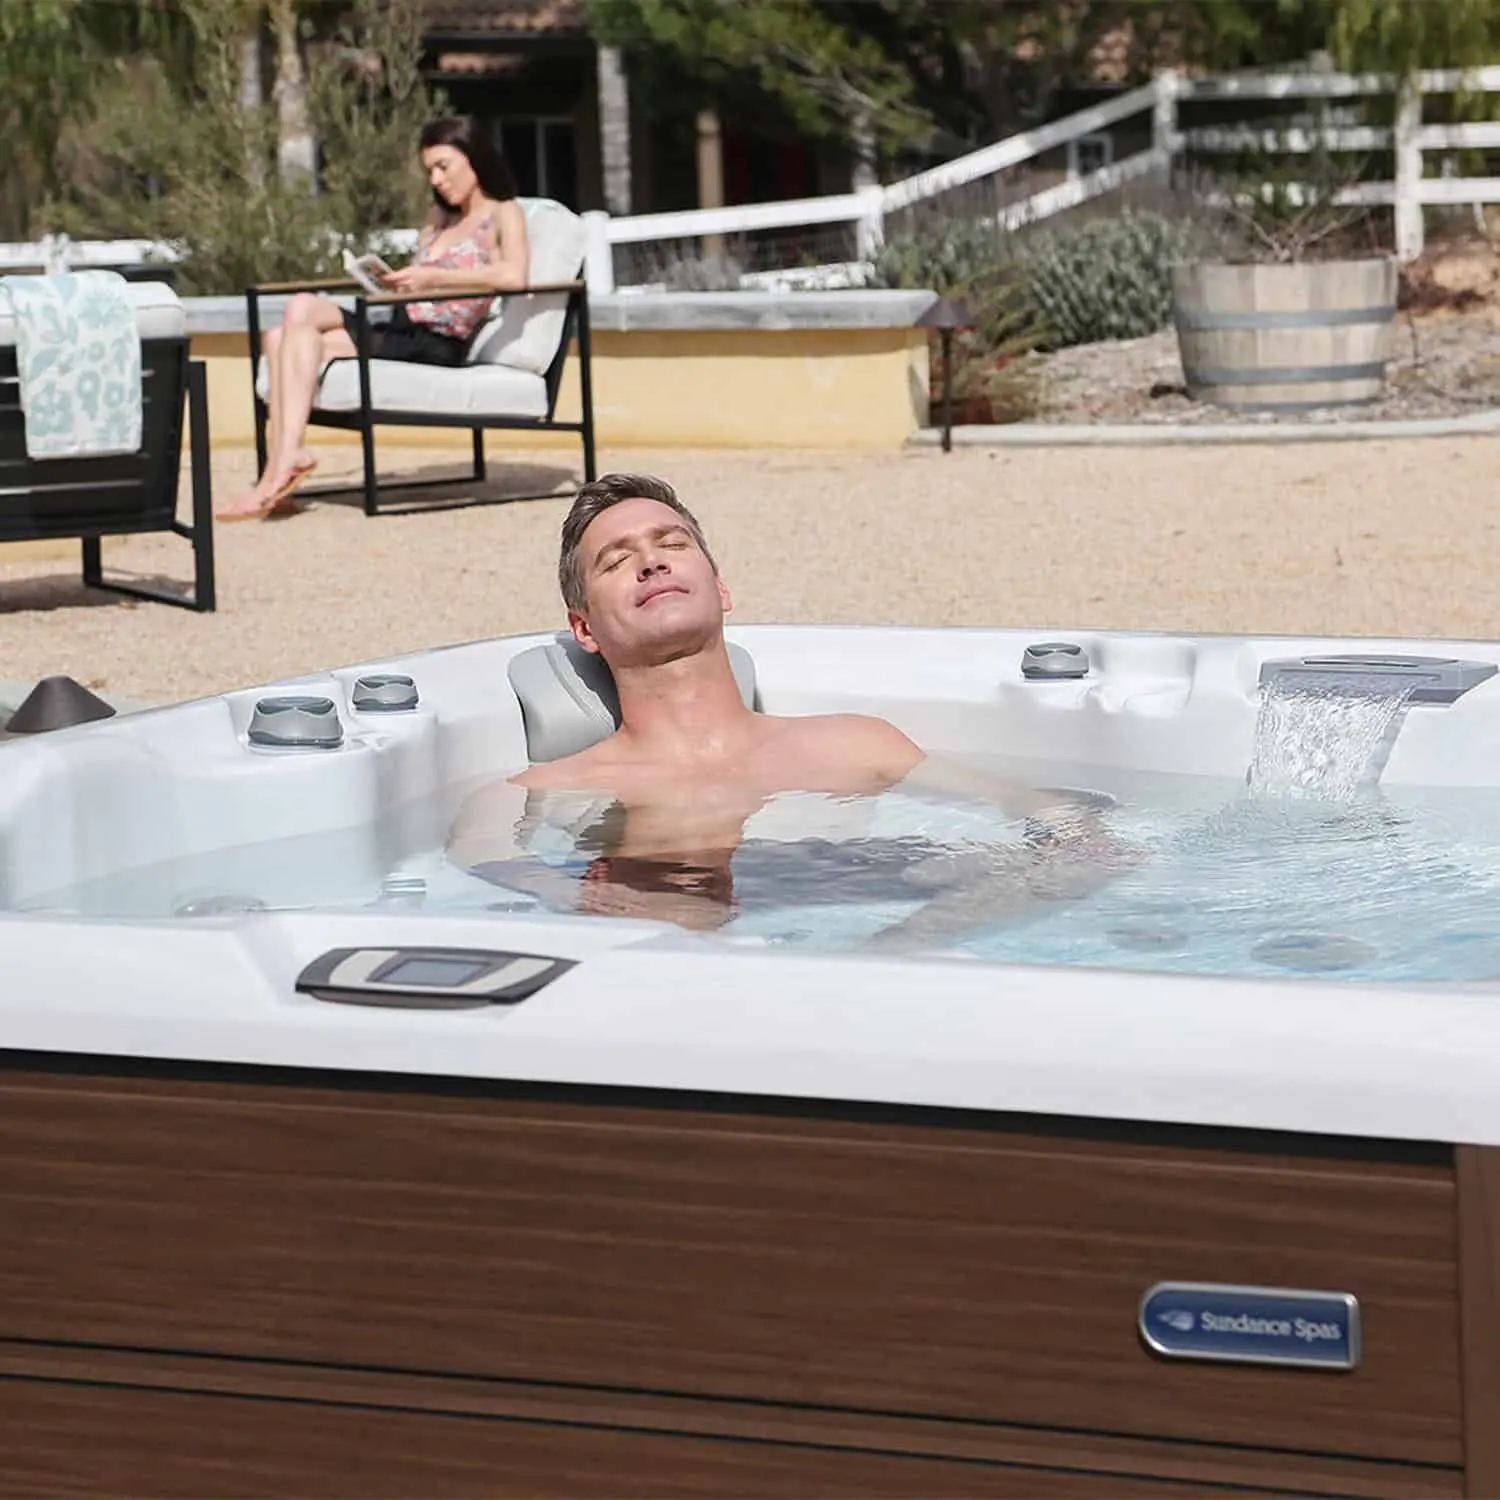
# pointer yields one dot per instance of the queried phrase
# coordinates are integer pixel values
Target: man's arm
(938, 776)
(487, 828)
(894, 758)
(1067, 853)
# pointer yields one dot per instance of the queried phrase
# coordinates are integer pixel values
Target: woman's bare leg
(270, 348)
(311, 334)
(271, 345)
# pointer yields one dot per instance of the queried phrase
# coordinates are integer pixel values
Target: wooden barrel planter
(1285, 337)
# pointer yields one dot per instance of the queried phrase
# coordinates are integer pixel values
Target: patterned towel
(79, 358)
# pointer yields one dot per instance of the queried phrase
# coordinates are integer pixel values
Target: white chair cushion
(404, 385)
(524, 332)
(434, 390)
(158, 312)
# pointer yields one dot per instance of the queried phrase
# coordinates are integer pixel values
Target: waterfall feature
(1323, 740)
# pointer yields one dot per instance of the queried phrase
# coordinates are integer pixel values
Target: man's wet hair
(592, 501)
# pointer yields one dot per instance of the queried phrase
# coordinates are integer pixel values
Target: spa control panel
(428, 978)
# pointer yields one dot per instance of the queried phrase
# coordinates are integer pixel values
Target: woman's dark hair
(464, 133)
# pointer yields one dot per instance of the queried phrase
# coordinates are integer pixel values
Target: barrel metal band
(1200, 375)
(1326, 317)
(1292, 407)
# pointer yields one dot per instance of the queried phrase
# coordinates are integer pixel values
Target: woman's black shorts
(414, 342)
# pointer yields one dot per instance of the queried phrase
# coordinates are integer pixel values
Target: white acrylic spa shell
(651, 1006)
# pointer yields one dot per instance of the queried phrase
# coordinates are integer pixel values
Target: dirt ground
(1385, 538)
(1443, 364)
(1442, 350)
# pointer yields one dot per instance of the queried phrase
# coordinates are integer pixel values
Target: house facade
(563, 110)
(574, 128)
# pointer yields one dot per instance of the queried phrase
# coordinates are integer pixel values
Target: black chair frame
(367, 416)
(90, 498)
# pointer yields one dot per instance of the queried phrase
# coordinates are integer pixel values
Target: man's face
(652, 594)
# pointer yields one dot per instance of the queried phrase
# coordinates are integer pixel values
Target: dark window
(562, 166)
(542, 157)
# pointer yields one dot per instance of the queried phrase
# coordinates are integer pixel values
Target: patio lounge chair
(119, 494)
(511, 378)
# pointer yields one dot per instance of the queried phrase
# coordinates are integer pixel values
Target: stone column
(710, 175)
(614, 129)
(296, 151)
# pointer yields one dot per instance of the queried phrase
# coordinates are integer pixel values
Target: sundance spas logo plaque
(1251, 1325)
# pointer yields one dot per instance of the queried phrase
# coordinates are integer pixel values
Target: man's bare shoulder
(859, 740)
(572, 773)
(864, 729)
(794, 750)
(487, 823)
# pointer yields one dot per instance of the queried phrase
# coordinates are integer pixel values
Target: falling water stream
(1324, 739)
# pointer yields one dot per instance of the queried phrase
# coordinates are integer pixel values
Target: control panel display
(428, 978)
(439, 972)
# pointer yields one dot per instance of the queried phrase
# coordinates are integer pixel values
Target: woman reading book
(475, 236)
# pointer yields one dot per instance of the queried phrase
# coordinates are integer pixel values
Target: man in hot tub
(692, 774)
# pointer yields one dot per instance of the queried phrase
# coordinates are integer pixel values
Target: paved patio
(1384, 538)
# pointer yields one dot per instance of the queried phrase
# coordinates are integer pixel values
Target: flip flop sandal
(275, 504)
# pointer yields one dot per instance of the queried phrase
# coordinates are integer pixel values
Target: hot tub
(611, 1207)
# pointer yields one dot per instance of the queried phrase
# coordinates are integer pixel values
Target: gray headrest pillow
(568, 698)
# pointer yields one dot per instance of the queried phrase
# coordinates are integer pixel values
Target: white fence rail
(59, 251)
(1339, 85)
(1016, 150)
(1409, 191)
(868, 208)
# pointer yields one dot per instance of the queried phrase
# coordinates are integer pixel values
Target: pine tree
(829, 77)
(179, 151)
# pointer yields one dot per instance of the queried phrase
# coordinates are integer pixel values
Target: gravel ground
(1395, 538)
(1445, 365)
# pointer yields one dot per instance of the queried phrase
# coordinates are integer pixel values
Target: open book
(368, 271)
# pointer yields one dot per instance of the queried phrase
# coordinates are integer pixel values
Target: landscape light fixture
(946, 314)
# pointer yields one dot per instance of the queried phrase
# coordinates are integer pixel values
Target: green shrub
(1108, 278)
(946, 255)
(679, 267)
(968, 258)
